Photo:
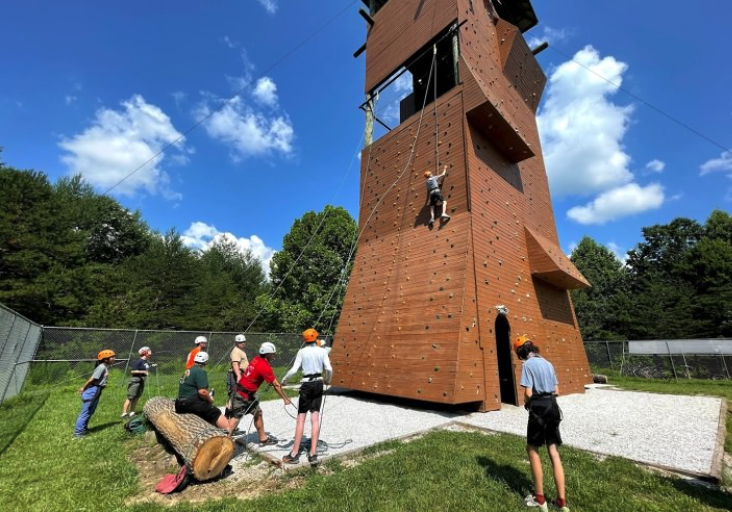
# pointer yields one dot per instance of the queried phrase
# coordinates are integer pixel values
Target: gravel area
(677, 432)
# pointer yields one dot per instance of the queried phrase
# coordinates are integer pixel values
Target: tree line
(675, 284)
(70, 256)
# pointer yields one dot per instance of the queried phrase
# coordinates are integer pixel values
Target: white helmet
(201, 357)
(240, 338)
(267, 348)
(143, 350)
(200, 339)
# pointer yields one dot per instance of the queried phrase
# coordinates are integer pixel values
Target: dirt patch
(250, 476)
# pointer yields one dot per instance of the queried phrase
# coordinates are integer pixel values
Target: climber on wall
(435, 196)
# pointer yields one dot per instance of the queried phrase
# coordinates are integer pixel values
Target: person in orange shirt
(201, 344)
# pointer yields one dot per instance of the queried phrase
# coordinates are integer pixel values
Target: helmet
(200, 339)
(267, 348)
(520, 342)
(201, 357)
(104, 354)
(143, 350)
(310, 335)
(427, 174)
(240, 338)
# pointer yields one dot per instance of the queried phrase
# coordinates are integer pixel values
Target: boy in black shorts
(435, 195)
(540, 398)
(314, 360)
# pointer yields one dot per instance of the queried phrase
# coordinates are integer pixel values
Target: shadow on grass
(508, 475)
(707, 494)
(103, 426)
(16, 413)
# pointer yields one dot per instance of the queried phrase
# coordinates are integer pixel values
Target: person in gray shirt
(435, 196)
(540, 398)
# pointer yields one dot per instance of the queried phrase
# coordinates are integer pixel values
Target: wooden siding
(419, 316)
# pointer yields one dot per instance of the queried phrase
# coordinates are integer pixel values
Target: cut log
(205, 449)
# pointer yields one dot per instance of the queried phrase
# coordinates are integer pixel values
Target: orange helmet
(104, 354)
(309, 335)
(427, 174)
(520, 342)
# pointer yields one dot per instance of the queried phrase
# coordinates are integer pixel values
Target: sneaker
(132, 414)
(289, 459)
(531, 502)
(445, 217)
(431, 222)
(79, 436)
(564, 509)
(270, 441)
(124, 415)
(313, 459)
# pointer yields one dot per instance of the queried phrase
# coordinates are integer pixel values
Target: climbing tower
(431, 311)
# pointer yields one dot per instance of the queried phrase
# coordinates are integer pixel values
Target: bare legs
(538, 474)
(129, 405)
(315, 433)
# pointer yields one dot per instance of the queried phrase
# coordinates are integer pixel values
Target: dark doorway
(505, 363)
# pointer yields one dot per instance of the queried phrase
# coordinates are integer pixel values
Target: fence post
(609, 356)
(686, 366)
(725, 367)
(127, 365)
(673, 366)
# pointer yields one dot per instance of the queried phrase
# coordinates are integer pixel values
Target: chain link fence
(33, 356)
(19, 339)
(670, 363)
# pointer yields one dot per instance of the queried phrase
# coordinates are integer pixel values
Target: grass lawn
(42, 469)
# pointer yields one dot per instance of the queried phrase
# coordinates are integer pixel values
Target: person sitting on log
(244, 400)
(435, 195)
(314, 360)
(139, 372)
(201, 344)
(194, 397)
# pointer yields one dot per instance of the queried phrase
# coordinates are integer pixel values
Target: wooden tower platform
(421, 316)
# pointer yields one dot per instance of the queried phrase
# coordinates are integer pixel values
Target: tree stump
(205, 449)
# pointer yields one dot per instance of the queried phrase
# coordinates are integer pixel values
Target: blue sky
(99, 88)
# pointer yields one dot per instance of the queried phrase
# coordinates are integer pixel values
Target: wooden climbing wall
(419, 317)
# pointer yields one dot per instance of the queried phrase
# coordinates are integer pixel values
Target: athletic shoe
(531, 502)
(445, 217)
(564, 509)
(289, 459)
(124, 415)
(132, 414)
(313, 459)
(270, 441)
(432, 221)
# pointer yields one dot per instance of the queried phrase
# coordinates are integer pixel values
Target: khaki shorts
(135, 388)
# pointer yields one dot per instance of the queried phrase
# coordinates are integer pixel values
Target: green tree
(311, 271)
(602, 310)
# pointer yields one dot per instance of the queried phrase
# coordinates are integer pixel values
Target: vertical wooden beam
(369, 130)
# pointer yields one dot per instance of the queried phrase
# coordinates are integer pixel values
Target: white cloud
(656, 165)
(269, 5)
(120, 141)
(247, 131)
(265, 91)
(70, 99)
(201, 236)
(723, 163)
(548, 34)
(582, 130)
(619, 202)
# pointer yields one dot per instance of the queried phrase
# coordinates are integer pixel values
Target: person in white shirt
(314, 361)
